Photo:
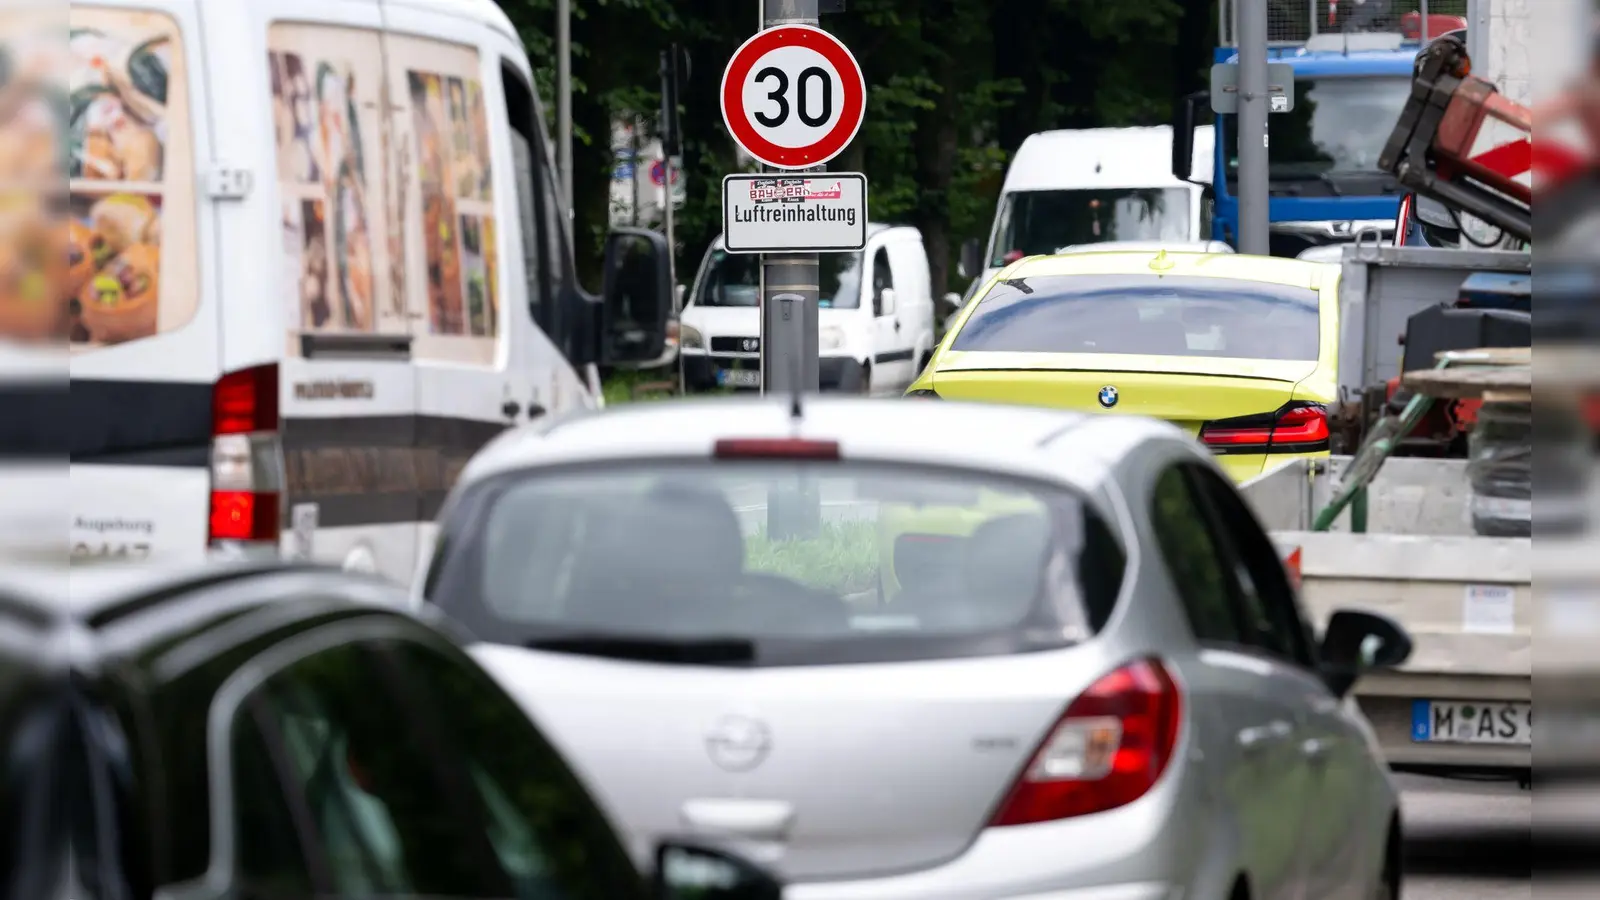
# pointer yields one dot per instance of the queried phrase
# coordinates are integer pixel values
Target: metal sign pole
(789, 328)
(1252, 118)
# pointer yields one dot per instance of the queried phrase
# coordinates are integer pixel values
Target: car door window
(546, 832)
(367, 787)
(1193, 556)
(882, 277)
(1269, 599)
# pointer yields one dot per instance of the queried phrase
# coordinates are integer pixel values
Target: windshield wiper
(705, 651)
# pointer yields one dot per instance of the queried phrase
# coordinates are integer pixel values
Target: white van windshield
(734, 279)
(1038, 222)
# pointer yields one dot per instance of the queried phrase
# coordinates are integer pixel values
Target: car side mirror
(886, 301)
(1183, 134)
(693, 872)
(677, 296)
(636, 297)
(1356, 642)
(952, 300)
(971, 262)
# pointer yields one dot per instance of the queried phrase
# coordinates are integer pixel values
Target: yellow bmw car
(1241, 351)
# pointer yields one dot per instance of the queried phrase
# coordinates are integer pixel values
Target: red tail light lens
(775, 448)
(244, 516)
(1296, 428)
(245, 401)
(1109, 749)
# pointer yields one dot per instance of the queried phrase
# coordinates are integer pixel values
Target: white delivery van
(317, 261)
(1087, 186)
(875, 317)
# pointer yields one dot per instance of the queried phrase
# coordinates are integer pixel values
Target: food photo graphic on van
(130, 229)
(323, 177)
(348, 173)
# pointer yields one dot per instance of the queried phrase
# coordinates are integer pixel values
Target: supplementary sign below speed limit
(780, 213)
(793, 96)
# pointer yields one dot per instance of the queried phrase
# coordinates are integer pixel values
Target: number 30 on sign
(793, 96)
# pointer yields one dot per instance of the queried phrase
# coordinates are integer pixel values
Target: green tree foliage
(953, 86)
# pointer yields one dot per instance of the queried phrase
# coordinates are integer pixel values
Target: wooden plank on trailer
(1470, 382)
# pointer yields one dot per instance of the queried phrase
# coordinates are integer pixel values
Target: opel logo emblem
(738, 744)
(1108, 396)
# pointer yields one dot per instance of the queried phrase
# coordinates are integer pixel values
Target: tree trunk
(935, 148)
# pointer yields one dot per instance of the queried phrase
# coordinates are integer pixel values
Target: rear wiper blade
(713, 650)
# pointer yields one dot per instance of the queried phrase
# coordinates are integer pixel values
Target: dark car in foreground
(285, 732)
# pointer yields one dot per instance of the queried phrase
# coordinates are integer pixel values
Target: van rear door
(141, 290)
(340, 230)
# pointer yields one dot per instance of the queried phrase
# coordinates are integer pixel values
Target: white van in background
(321, 264)
(876, 332)
(1086, 186)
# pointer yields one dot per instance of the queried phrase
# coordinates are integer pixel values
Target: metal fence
(1292, 22)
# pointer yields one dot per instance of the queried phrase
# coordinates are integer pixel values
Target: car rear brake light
(775, 448)
(1295, 428)
(1109, 748)
(246, 458)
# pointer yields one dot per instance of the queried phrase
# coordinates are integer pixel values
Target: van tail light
(246, 459)
(1109, 748)
(1294, 428)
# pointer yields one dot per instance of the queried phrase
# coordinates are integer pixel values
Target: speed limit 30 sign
(793, 96)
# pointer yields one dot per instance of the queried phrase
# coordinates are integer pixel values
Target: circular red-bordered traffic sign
(738, 119)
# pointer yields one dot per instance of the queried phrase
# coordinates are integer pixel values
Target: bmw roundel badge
(1108, 396)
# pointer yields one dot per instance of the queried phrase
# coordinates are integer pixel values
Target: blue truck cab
(1324, 181)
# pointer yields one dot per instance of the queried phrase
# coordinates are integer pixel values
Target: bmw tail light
(1107, 750)
(1294, 428)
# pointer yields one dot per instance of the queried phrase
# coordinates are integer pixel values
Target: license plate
(739, 378)
(1469, 722)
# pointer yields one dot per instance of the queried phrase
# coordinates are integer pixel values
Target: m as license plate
(739, 378)
(1469, 722)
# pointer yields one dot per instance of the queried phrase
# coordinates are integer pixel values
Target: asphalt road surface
(1468, 841)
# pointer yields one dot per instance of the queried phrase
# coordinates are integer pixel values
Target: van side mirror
(1356, 642)
(1183, 123)
(971, 262)
(952, 300)
(692, 872)
(636, 297)
(886, 301)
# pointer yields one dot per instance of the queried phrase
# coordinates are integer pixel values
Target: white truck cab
(317, 261)
(876, 317)
(1069, 188)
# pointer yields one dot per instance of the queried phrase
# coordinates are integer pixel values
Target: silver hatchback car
(896, 649)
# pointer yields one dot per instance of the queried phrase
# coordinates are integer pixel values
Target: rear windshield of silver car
(1158, 315)
(775, 563)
